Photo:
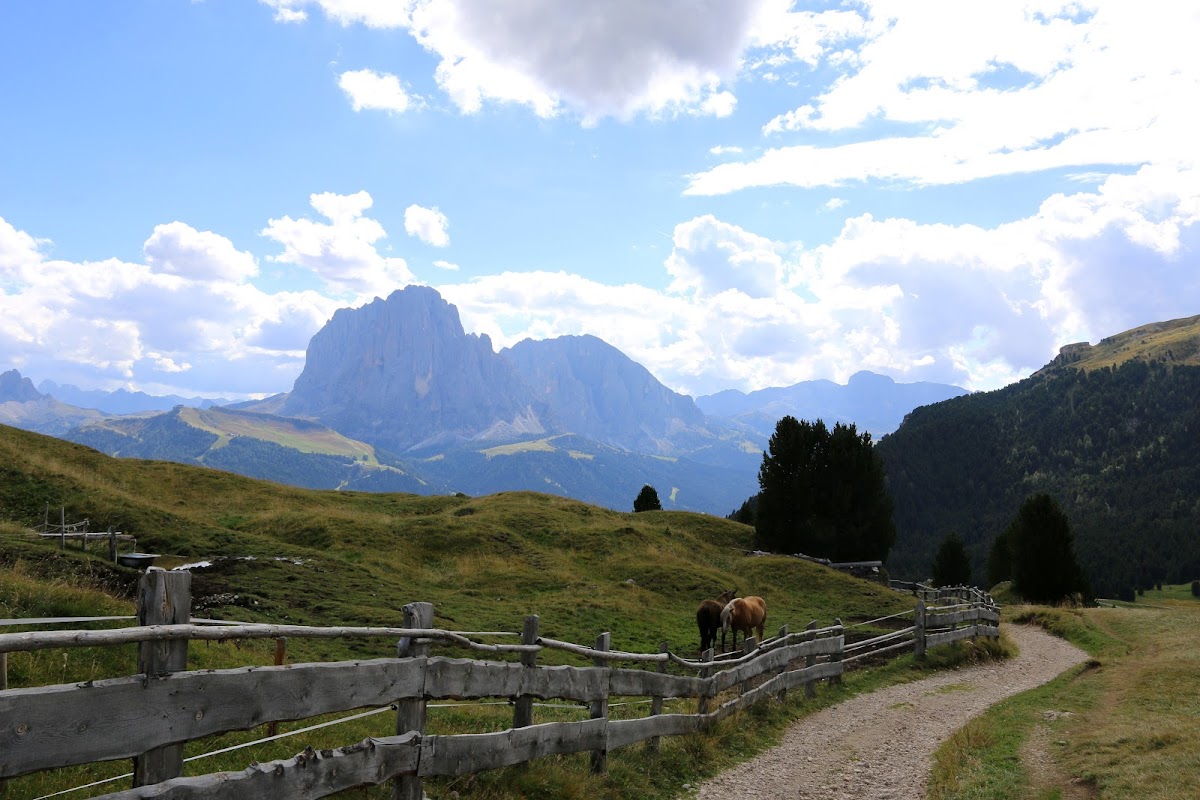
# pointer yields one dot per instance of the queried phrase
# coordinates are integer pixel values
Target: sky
(735, 193)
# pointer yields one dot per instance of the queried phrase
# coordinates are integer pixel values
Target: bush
(1195, 588)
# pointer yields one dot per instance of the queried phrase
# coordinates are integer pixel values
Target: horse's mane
(726, 612)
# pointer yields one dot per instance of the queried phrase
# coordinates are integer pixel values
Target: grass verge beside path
(1125, 724)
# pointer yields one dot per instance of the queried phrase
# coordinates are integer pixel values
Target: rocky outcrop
(401, 373)
(14, 388)
(596, 391)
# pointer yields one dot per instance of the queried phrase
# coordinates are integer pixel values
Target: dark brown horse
(745, 614)
(708, 618)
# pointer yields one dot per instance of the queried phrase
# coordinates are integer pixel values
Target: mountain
(874, 403)
(1109, 431)
(594, 390)
(16, 389)
(23, 406)
(401, 373)
(296, 452)
(122, 401)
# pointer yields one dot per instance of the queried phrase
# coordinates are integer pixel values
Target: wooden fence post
(783, 632)
(749, 646)
(164, 598)
(112, 544)
(600, 707)
(810, 635)
(523, 712)
(919, 629)
(410, 714)
(280, 657)
(656, 703)
(836, 680)
(705, 672)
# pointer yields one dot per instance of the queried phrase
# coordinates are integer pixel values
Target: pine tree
(952, 565)
(1044, 568)
(823, 493)
(647, 500)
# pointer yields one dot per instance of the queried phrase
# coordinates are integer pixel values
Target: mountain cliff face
(596, 391)
(400, 373)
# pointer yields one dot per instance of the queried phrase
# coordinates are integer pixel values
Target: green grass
(332, 558)
(1132, 727)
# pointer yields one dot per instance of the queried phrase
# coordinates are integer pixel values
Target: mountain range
(440, 410)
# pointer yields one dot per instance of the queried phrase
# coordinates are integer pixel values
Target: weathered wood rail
(148, 716)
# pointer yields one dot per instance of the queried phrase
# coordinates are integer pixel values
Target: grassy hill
(294, 451)
(356, 558)
(1176, 341)
(282, 554)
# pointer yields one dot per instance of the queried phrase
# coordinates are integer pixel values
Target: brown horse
(708, 618)
(745, 614)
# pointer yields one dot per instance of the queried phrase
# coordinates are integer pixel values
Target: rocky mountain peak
(14, 388)
(402, 371)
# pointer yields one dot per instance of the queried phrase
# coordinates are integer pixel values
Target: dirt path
(879, 745)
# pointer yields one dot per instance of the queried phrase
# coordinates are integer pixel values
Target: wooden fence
(148, 716)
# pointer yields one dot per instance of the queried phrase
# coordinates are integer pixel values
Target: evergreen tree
(1000, 560)
(746, 512)
(951, 565)
(647, 500)
(1042, 547)
(823, 493)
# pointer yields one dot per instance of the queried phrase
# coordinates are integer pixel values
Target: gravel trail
(878, 746)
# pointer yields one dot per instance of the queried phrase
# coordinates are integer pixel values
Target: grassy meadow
(332, 558)
(1125, 724)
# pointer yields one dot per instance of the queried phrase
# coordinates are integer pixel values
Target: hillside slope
(323, 557)
(293, 451)
(1116, 447)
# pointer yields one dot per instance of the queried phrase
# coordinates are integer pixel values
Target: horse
(745, 614)
(708, 618)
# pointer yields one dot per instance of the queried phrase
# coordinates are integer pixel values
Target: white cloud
(372, 13)
(615, 58)
(427, 224)
(711, 257)
(1019, 87)
(834, 203)
(187, 314)
(721, 150)
(446, 265)
(341, 254)
(179, 249)
(368, 89)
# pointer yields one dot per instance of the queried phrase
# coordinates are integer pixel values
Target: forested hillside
(1117, 447)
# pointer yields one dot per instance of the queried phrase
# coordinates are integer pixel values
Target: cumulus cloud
(342, 252)
(615, 58)
(427, 224)
(1013, 91)
(710, 257)
(368, 89)
(179, 249)
(185, 320)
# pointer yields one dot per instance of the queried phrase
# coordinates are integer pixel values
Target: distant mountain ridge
(123, 401)
(872, 402)
(400, 382)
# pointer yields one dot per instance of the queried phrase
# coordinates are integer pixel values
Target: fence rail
(148, 716)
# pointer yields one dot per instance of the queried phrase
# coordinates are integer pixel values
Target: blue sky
(736, 193)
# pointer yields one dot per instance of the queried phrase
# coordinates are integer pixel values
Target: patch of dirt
(880, 745)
